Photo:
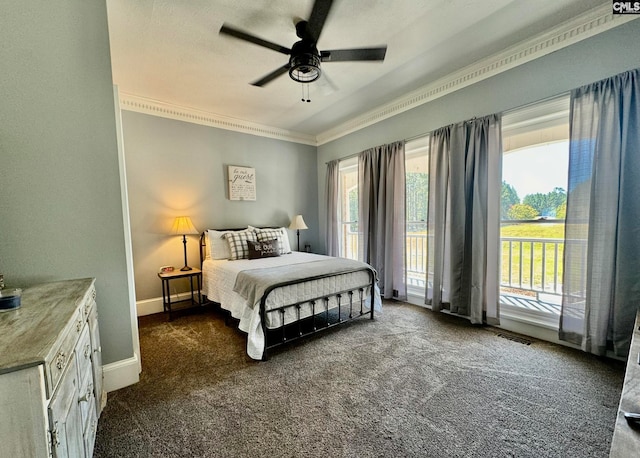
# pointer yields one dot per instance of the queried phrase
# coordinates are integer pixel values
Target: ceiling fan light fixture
(304, 68)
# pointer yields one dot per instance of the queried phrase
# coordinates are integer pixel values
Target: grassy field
(520, 271)
(534, 230)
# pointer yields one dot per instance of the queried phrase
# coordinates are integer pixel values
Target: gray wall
(60, 205)
(177, 168)
(590, 60)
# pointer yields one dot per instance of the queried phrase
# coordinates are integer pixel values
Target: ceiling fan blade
(342, 55)
(231, 31)
(317, 19)
(271, 76)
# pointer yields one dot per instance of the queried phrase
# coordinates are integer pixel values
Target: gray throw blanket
(251, 284)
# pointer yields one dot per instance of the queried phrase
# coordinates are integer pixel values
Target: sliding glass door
(533, 207)
(348, 212)
(417, 199)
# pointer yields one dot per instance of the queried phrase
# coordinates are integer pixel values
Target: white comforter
(219, 277)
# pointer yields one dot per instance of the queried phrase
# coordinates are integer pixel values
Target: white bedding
(219, 277)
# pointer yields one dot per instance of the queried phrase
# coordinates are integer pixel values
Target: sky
(537, 169)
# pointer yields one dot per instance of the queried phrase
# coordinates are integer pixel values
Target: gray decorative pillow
(265, 235)
(238, 243)
(267, 249)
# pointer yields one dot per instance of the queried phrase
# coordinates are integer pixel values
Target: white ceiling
(170, 51)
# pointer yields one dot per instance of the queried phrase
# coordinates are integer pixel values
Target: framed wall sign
(242, 183)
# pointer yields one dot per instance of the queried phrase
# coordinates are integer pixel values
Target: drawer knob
(60, 360)
(55, 439)
(87, 396)
(87, 351)
(79, 325)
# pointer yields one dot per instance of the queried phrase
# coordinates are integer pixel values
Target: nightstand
(194, 275)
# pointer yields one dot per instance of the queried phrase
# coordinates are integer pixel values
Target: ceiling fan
(305, 59)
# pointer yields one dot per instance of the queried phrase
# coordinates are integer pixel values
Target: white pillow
(218, 245)
(285, 246)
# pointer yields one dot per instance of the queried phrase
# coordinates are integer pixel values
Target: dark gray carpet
(409, 384)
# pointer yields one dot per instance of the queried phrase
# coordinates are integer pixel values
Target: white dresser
(51, 391)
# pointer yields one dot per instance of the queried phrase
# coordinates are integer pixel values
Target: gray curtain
(381, 208)
(332, 231)
(463, 223)
(601, 278)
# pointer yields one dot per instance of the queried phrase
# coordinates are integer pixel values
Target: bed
(285, 295)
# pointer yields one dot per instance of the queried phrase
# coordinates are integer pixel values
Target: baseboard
(121, 373)
(154, 305)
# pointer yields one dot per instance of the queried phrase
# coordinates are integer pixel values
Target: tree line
(550, 205)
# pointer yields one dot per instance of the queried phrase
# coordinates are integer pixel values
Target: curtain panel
(601, 279)
(381, 221)
(463, 227)
(332, 231)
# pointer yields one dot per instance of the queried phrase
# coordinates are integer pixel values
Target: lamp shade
(183, 226)
(298, 223)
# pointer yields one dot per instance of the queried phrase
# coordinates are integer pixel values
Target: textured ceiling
(170, 51)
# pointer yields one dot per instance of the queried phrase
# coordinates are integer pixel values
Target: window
(533, 205)
(417, 190)
(348, 212)
(417, 199)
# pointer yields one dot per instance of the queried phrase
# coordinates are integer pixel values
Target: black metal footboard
(350, 305)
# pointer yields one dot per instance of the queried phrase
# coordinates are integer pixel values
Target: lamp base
(185, 268)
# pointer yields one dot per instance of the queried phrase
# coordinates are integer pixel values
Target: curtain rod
(424, 134)
(415, 137)
(343, 158)
(357, 154)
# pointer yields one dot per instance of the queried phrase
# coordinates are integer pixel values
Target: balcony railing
(532, 264)
(528, 265)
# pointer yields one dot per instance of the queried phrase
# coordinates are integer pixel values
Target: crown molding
(132, 102)
(591, 23)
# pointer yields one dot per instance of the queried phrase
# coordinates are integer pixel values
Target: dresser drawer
(83, 355)
(86, 396)
(59, 358)
(65, 418)
(94, 332)
(91, 427)
(89, 303)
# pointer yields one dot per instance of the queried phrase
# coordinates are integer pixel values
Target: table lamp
(298, 223)
(183, 226)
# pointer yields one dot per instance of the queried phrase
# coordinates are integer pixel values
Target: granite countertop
(27, 333)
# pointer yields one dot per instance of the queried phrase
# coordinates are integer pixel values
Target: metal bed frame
(322, 317)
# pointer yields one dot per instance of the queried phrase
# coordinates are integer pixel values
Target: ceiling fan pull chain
(307, 99)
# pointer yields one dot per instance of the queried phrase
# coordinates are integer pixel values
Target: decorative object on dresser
(298, 223)
(9, 299)
(51, 391)
(183, 226)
